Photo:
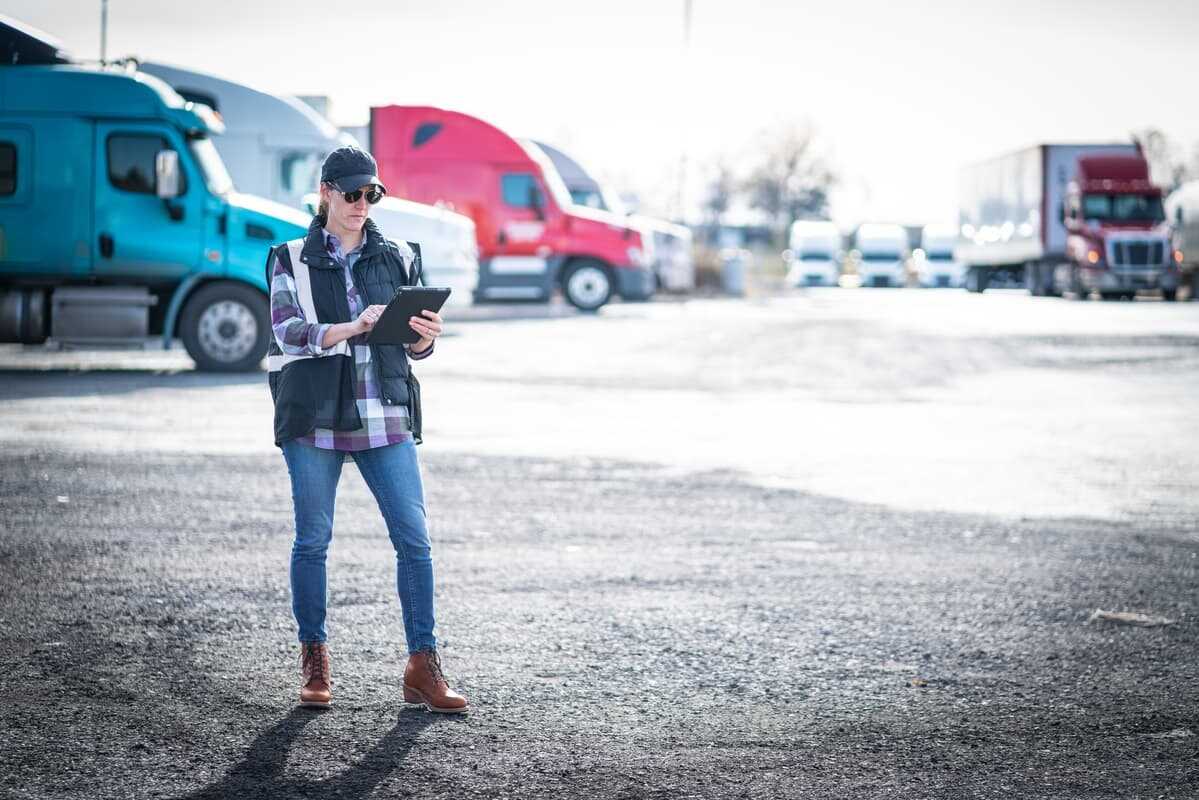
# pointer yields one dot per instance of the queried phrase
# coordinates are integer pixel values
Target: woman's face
(349, 216)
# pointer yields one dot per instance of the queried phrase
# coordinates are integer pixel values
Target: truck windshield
(816, 255)
(299, 171)
(216, 177)
(940, 255)
(556, 186)
(588, 197)
(880, 256)
(1123, 208)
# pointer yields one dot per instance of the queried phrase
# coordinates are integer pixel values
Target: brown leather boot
(314, 667)
(425, 684)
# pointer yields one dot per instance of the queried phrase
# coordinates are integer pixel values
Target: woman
(335, 395)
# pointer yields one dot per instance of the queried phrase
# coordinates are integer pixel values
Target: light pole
(684, 98)
(103, 32)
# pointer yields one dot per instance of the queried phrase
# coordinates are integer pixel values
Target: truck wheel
(1076, 287)
(1033, 281)
(587, 285)
(1169, 295)
(226, 327)
(976, 279)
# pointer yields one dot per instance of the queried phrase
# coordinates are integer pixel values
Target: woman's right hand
(367, 319)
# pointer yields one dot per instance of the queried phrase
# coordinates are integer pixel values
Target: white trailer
(1182, 212)
(882, 254)
(273, 145)
(816, 253)
(1010, 215)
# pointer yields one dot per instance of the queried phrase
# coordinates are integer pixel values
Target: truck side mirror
(1061, 213)
(166, 174)
(535, 201)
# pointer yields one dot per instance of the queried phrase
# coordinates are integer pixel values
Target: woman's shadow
(260, 773)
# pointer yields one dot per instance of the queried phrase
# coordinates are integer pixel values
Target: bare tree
(790, 179)
(1168, 165)
(719, 196)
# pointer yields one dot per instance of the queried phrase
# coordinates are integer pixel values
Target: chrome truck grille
(1137, 253)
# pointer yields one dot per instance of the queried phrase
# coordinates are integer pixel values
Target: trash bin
(733, 264)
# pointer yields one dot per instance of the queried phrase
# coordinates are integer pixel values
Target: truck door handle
(106, 245)
(501, 238)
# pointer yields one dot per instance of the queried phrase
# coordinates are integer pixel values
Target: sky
(900, 95)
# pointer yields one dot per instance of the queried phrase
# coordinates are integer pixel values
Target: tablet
(393, 326)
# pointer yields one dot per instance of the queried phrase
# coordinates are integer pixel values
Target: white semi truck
(882, 254)
(273, 145)
(937, 266)
(815, 247)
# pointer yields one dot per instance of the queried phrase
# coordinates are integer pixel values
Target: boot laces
(315, 664)
(433, 662)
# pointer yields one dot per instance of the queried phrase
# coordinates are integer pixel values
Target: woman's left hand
(429, 328)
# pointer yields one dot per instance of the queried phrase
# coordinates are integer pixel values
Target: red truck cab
(1118, 241)
(532, 238)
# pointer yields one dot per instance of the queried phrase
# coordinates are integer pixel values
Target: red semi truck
(1066, 218)
(532, 238)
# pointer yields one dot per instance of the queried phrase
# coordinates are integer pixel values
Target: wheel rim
(227, 331)
(588, 286)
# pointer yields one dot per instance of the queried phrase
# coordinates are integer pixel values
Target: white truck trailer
(1182, 212)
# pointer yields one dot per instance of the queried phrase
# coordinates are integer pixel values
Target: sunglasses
(373, 194)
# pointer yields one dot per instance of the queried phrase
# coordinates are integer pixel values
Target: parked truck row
(141, 199)
(1057, 219)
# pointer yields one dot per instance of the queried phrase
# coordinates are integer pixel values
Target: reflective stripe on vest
(299, 271)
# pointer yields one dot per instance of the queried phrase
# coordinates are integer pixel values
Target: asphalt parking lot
(829, 543)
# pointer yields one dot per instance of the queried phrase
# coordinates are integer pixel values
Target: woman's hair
(322, 210)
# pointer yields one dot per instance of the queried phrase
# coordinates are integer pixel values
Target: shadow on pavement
(260, 773)
(18, 384)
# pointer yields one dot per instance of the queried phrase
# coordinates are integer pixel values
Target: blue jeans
(393, 475)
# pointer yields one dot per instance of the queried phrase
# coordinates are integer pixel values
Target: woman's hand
(367, 319)
(428, 325)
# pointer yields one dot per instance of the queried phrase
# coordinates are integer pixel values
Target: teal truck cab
(118, 220)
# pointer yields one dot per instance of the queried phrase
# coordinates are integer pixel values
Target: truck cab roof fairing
(21, 44)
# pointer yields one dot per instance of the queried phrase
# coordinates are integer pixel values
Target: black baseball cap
(350, 168)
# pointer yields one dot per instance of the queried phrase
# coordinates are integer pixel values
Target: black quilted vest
(319, 392)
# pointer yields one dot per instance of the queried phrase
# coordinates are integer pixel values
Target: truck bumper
(634, 283)
(883, 278)
(1106, 280)
(504, 284)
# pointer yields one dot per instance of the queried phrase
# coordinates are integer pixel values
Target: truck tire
(1169, 295)
(1033, 281)
(1076, 287)
(976, 279)
(226, 327)
(587, 284)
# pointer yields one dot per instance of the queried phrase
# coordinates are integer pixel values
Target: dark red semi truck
(1066, 218)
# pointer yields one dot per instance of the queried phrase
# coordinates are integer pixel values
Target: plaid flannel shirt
(382, 424)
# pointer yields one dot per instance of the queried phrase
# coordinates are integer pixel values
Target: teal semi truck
(119, 222)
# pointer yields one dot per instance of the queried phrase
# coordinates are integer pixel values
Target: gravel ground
(623, 629)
